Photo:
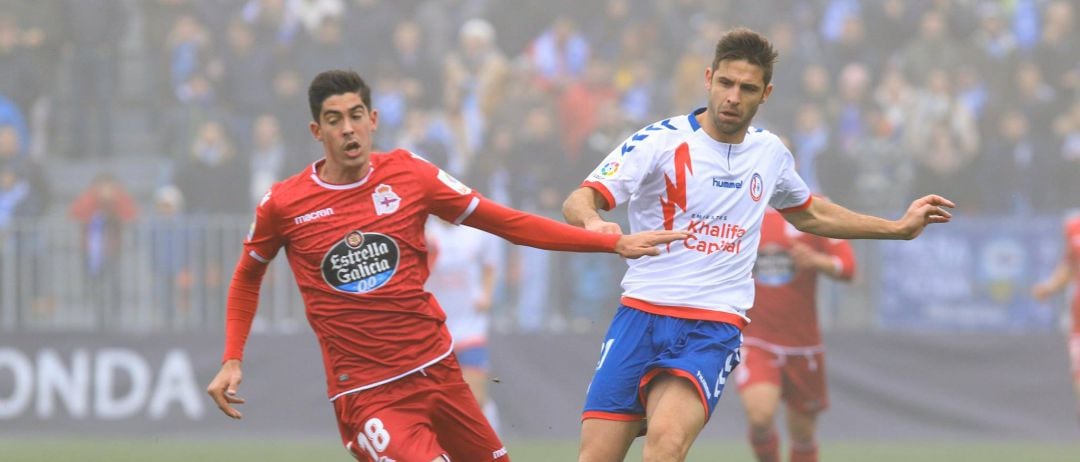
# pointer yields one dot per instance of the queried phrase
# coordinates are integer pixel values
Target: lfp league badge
(386, 201)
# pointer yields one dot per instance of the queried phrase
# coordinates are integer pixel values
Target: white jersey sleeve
(791, 191)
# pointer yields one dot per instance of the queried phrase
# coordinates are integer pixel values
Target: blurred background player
(465, 267)
(1068, 269)
(782, 355)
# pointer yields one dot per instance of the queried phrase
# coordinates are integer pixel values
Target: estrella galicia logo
(361, 262)
(756, 187)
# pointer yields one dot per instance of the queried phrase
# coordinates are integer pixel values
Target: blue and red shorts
(640, 346)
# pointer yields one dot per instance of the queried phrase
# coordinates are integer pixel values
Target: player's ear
(766, 93)
(315, 130)
(708, 78)
(374, 119)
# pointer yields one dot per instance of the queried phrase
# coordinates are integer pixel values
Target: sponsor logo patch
(360, 262)
(756, 187)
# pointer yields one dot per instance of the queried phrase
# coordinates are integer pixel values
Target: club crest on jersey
(360, 262)
(756, 187)
(386, 201)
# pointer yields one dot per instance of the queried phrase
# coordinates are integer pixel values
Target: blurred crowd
(880, 101)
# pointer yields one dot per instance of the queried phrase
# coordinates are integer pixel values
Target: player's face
(736, 89)
(345, 129)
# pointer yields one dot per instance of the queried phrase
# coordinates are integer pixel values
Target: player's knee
(667, 444)
(760, 417)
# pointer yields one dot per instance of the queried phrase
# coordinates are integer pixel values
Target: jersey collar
(320, 182)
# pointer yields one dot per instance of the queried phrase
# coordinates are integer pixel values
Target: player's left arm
(833, 258)
(1060, 278)
(828, 219)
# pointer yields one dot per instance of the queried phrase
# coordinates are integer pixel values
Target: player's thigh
(459, 421)
(624, 354)
(398, 431)
(703, 353)
(604, 440)
(805, 388)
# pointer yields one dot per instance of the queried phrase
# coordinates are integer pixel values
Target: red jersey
(1072, 256)
(785, 301)
(358, 254)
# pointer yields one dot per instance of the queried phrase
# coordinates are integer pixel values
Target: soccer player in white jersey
(465, 265)
(676, 336)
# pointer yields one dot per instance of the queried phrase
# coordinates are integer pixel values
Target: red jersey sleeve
(262, 244)
(448, 198)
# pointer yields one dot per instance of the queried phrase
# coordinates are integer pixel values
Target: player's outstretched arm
(544, 233)
(645, 243)
(223, 388)
(828, 219)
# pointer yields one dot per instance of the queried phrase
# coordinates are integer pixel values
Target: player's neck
(705, 122)
(333, 173)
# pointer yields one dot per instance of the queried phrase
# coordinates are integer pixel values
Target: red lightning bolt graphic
(676, 192)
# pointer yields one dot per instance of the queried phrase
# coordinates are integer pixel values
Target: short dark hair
(336, 82)
(744, 44)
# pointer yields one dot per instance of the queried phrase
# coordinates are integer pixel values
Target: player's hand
(804, 256)
(644, 243)
(923, 212)
(482, 304)
(1041, 291)
(223, 388)
(598, 225)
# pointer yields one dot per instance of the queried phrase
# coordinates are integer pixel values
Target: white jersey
(456, 279)
(677, 177)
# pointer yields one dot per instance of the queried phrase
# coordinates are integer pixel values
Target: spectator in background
(1067, 135)
(475, 75)
(933, 48)
(323, 49)
(11, 116)
(25, 197)
(213, 178)
(245, 79)
(579, 108)
(268, 157)
(810, 141)
(419, 77)
(560, 53)
(935, 117)
(1056, 51)
(171, 243)
(94, 30)
(287, 96)
(17, 79)
(311, 13)
(995, 45)
(104, 209)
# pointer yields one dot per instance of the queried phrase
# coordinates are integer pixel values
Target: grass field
(46, 450)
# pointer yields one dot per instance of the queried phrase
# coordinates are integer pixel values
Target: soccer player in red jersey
(782, 356)
(352, 225)
(1067, 270)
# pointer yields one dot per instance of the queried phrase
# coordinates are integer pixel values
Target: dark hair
(744, 44)
(336, 82)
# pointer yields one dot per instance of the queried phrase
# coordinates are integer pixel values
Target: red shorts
(801, 377)
(419, 417)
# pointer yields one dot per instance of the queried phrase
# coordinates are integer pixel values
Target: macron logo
(313, 215)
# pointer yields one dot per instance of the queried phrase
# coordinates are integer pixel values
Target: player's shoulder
(289, 189)
(765, 139)
(662, 133)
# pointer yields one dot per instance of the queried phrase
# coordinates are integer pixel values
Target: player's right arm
(261, 245)
(581, 209)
